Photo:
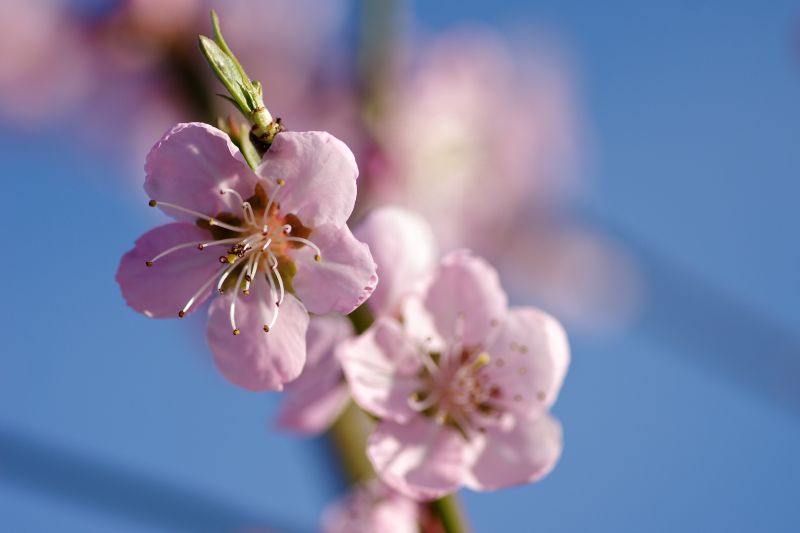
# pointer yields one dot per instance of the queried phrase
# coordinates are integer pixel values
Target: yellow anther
(236, 331)
(281, 182)
(266, 328)
(148, 263)
(152, 203)
(481, 361)
(246, 292)
(317, 258)
(231, 258)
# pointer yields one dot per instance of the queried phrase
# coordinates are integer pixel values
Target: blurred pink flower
(46, 66)
(304, 187)
(372, 507)
(315, 400)
(471, 136)
(462, 385)
(402, 246)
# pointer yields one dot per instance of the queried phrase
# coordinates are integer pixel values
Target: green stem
(349, 435)
(448, 511)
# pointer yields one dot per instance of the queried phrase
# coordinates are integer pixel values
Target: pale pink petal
(320, 175)
(312, 402)
(343, 278)
(419, 324)
(420, 459)
(529, 357)
(524, 454)
(466, 286)
(381, 367)
(189, 166)
(317, 411)
(372, 507)
(164, 289)
(403, 247)
(254, 359)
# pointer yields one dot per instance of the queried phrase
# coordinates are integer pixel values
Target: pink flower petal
(372, 507)
(420, 459)
(467, 286)
(163, 289)
(381, 368)
(529, 357)
(342, 280)
(403, 247)
(254, 359)
(313, 401)
(320, 173)
(525, 454)
(189, 166)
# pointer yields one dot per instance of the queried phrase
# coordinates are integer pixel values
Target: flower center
(466, 388)
(257, 241)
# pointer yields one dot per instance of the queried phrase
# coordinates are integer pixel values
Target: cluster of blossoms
(458, 385)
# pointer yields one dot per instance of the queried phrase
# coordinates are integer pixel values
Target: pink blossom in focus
(462, 386)
(370, 508)
(273, 242)
(315, 400)
(402, 246)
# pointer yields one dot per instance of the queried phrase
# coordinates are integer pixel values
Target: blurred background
(631, 168)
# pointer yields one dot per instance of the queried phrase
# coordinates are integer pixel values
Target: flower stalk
(246, 94)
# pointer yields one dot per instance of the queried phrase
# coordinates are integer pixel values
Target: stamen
(429, 363)
(274, 268)
(211, 220)
(317, 257)
(253, 266)
(232, 313)
(173, 249)
(481, 361)
(197, 294)
(274, 319)
(224, 276)
(249, 216)
(233, 192)
(420, 405)
(208, 244)
(280, 182)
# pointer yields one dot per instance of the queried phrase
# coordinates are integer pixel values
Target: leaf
(228, 73)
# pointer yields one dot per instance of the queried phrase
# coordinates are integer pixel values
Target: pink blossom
(315, 400)
(280, 233)
(462, 385)
(403, 248)
(372, 507)
(496, 132)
